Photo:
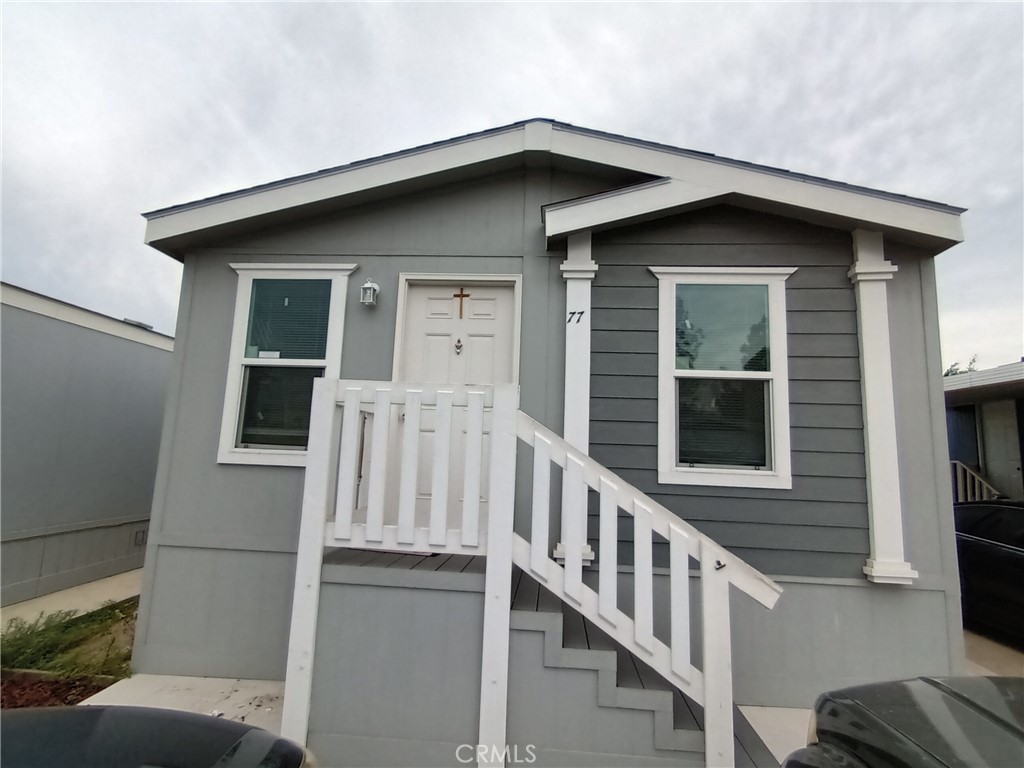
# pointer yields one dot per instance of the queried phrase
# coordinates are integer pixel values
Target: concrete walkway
(257, 702)
(82, 599)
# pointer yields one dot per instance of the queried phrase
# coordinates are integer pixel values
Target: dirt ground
(20, 692)
(55, 662)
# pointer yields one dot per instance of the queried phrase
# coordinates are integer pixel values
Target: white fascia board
(12, 296)
(719, 178)
(346, 181)
(623, 205)
(1003, 374)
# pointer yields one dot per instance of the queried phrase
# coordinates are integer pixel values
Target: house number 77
(577, 315)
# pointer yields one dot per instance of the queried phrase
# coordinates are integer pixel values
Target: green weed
(70, 645)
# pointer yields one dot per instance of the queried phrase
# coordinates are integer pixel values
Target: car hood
(958, 721)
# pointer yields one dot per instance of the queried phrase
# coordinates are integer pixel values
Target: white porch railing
(711, 686)
(968, 485)
(405, 467)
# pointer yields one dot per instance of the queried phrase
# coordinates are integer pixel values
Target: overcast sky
(110, 110)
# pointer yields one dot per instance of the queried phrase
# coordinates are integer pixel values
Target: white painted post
(410, 465)
(439, 478)
(578, 269)
(378, 466)
(643, 578)
(309, 562)
(679, 576)
(574, 524)
(471, 471)
(348, 464)
(717, 641)
(608, 566)
(498, 579)
(887, 563)
(541, 507)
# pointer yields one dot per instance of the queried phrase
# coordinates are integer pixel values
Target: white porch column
(887, 562)
(578, 270)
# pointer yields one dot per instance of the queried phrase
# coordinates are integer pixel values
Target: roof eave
(707, 178)
(928, 226)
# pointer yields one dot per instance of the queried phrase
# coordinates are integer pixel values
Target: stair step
(626, 673)
(526, 595)
(574, 631)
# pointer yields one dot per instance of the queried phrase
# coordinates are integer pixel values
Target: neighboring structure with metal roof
(83, 400)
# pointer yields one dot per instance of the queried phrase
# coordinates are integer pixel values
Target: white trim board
(29, 301)
(228, 451)
(669, 472)
(704, 176)
(1002, 374)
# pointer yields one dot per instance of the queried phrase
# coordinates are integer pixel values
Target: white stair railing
(968, 485)
(711, 686)
(404, 467)
(401, 467)
(410, 473)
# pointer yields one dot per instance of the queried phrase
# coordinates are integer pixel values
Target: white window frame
(229, 452)
(780, 475)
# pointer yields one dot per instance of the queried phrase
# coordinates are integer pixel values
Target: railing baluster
(643, 578)
(439, 479)
(471, 474)
(608, 553)
(541, 507)
(378, 466)
(717, 644)
(410, 465)
(574, 518)
(679, 575)
(348, 465)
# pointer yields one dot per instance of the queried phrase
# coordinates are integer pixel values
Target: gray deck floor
(441, 563)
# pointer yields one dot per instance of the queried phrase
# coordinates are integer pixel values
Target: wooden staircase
(379, 478)
(624, 681)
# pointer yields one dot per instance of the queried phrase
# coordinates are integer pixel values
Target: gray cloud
(110, 110)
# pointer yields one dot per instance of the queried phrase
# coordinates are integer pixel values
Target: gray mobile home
(503, 448)
(985, 420)
(82, 399)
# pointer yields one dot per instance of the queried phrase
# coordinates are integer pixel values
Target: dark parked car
(138, 737)
(990, 546)
(957, 722)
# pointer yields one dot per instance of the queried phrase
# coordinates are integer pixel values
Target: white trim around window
(229, 451)
(777, 472)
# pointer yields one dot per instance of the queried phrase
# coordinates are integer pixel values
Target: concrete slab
(782, 729)
(83, 598)
(988, 658)
(257, 702)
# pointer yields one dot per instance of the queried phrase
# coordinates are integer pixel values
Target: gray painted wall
(221, 555)
(819, 528)
(81, 424)
(205, 513)
(397, 673)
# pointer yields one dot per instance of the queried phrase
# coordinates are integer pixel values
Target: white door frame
(405, 279)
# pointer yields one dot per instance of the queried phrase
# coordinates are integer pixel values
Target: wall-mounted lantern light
(368, 293)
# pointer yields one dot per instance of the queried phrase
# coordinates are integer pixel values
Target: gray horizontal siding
(819, 527)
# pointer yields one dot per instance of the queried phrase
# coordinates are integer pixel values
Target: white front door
(458, 334)
(455, 334)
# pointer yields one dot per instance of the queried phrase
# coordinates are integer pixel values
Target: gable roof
(679, 179)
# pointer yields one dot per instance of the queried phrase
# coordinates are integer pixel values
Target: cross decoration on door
(461, 296)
